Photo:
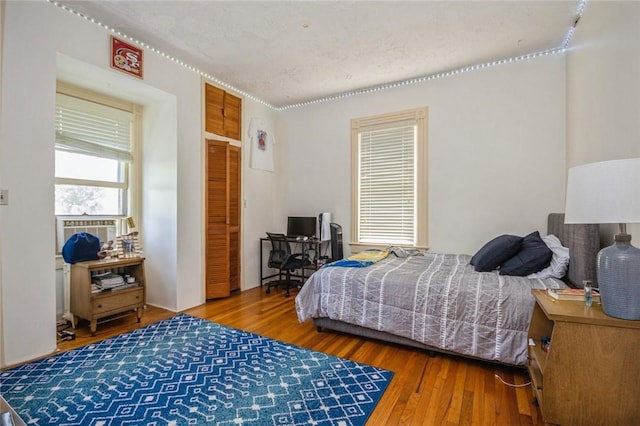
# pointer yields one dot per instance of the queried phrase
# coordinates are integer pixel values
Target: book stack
(571, 294)
(108, 280)
(123, 286)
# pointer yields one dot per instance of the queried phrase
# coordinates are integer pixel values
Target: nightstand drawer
(118, 300)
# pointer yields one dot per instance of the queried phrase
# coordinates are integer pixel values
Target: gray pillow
(495, 252)
(534, 256)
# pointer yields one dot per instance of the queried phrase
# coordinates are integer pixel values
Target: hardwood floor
(425, 390)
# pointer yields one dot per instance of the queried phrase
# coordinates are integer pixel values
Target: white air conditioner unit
(106, 228)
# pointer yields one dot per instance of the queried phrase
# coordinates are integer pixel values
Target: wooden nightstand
(590, 375)
(107, 304)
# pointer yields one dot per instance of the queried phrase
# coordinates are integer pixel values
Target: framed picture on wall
(126, 57)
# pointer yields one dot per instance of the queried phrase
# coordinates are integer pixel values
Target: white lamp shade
(604, 192)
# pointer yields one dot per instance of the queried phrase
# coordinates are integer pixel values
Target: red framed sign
(126, 57)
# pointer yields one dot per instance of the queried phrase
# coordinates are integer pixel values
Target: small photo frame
(128, 245)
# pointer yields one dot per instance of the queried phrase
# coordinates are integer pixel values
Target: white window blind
(387, 183)
(93, 129)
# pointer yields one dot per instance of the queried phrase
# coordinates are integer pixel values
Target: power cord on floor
(513, 385)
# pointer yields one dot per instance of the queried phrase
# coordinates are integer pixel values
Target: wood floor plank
(523, 394)
(411, 374)
(434, 414)
(425, 390)
(466, 409)
(403, 383)
(506, 413)
(488, 397)
(453, 414)
(446, 395)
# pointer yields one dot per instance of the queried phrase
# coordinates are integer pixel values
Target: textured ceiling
(295, 51)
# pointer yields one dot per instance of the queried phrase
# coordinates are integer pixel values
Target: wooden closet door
(214, 109)
(223, 219)
(232, 107)
(234, 203)
(223, 112)
(217, 249)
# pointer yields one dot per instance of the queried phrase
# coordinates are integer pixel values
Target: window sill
(358, 247)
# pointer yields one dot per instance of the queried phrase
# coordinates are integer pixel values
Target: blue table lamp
(609, 192)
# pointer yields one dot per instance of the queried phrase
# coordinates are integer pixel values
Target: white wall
(1, 47)
(41, 42)
(603, 86)
(26, 170)
(496, 151)
(261, 211)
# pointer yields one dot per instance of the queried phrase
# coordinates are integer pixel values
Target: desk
(312, 244)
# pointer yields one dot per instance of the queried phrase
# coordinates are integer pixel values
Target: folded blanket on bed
(362, 259)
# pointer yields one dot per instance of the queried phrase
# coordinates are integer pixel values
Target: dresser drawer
(118, 300)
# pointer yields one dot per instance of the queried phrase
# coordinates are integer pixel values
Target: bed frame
(583, 242)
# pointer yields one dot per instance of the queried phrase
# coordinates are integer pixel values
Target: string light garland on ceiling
(424, 78)
(163, 54)
(206, 75)
(580, 11)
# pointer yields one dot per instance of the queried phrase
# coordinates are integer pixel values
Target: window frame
(420, 116)
(131, 171)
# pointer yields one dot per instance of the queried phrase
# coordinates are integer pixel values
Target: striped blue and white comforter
(436, 299)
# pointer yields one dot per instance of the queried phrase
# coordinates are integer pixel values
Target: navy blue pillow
(532, 257)
(495, 252)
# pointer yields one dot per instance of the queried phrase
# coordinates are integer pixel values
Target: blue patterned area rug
(190, 371)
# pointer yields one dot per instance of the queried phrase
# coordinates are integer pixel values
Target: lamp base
(619, 279)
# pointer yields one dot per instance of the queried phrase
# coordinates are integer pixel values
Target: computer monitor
(301, 226)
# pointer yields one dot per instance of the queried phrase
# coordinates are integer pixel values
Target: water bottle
(588, 297)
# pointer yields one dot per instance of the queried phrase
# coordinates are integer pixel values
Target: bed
(439, 302)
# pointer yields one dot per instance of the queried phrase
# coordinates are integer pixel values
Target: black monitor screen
(301, 226)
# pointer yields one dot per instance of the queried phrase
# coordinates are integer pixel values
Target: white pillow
(559, 259)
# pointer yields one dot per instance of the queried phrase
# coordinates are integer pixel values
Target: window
(94, 154)
(389, 179)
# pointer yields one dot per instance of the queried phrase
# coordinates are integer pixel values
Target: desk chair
(285, 261)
